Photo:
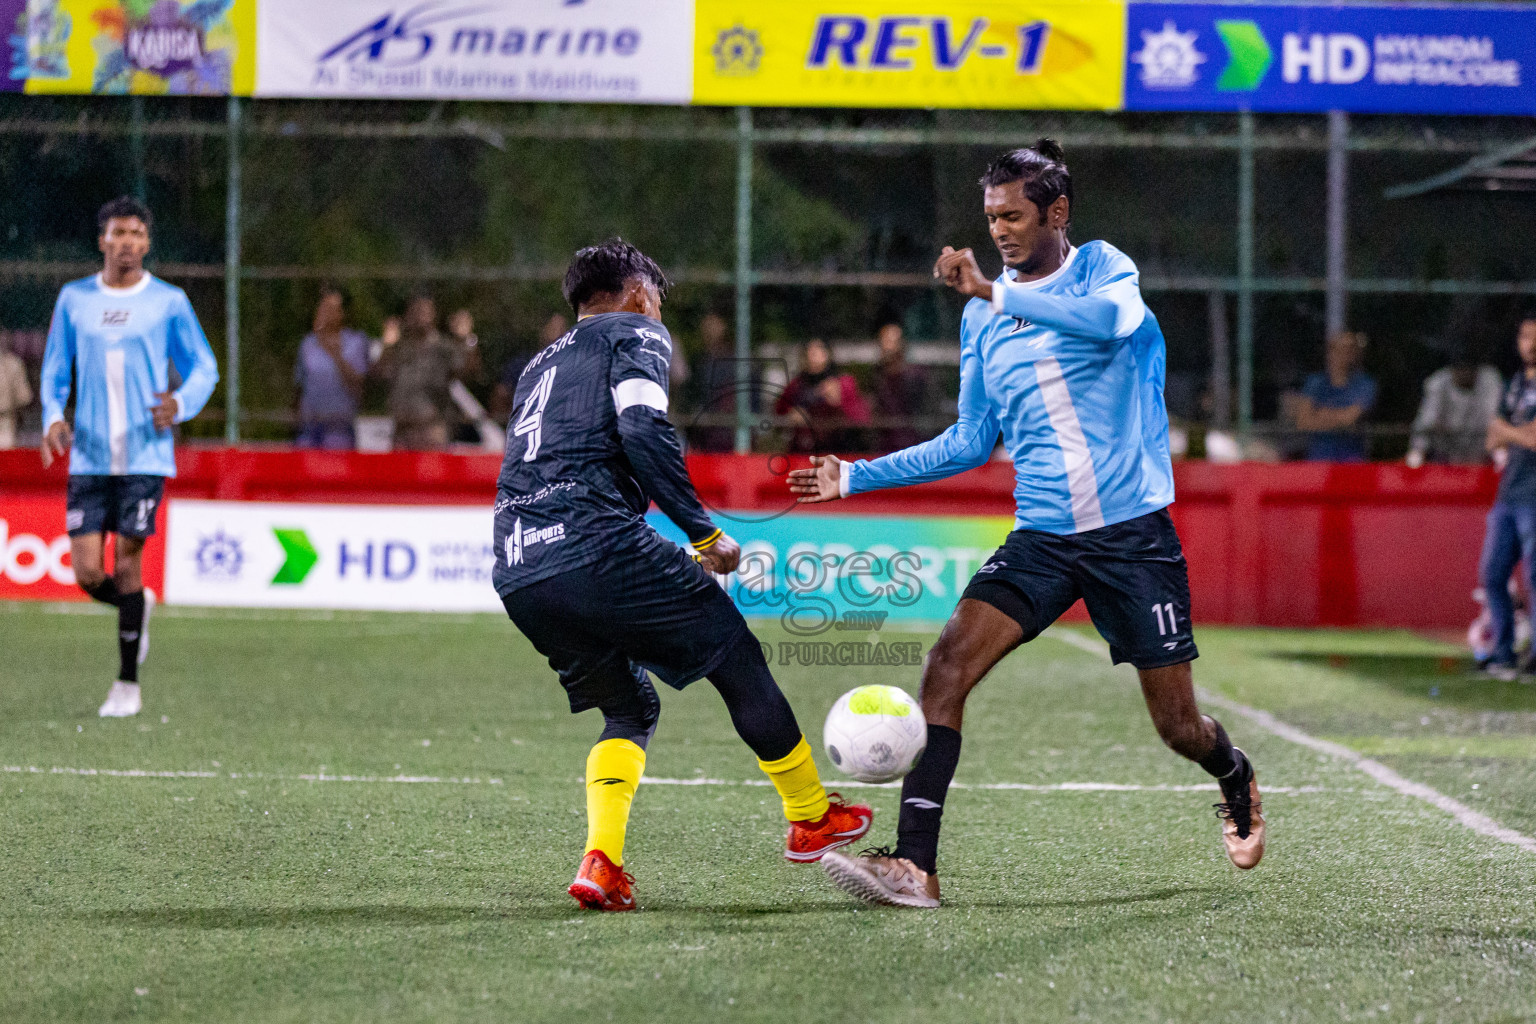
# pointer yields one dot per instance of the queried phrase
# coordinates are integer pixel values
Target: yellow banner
(145, 47)
(926, 53)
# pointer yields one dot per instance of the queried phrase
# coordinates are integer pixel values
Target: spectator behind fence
(471, 391)
(420, 369)
(461, 329)
(829, 400)
(1511, 533)
(15, 391)
(901, 390)
(1333, 403)
(1459, 401)
(506, 386)
(329, 372)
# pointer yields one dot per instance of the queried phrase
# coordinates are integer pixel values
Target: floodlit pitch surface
(258, 892)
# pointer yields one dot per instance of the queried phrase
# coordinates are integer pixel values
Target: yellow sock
(614, 768)
(795, 777)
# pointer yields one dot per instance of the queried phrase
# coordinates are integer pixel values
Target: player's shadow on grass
(246, 918)
(1128, 899)
(1447, 680)
(219, 918)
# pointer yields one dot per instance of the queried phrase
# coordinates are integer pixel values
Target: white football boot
(123, 701)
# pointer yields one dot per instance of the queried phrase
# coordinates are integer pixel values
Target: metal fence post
(232, 279)
(743, 279)
(1245, 273)
(1336, 302)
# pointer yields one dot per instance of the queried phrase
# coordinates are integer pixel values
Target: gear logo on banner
(219, 557)
(1168, 58)
(738, 52)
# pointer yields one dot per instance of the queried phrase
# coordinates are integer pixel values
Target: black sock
(1227, 764)
(758, 708)
(130, 619)
(922, 798)
(105, 591)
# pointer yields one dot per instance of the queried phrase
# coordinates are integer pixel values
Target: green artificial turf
(268, 897)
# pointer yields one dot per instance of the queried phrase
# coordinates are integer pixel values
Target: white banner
(390, 557)
(591, 51)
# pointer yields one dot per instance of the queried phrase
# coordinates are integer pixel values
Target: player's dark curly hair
(123, 206)
(603, 269)
(1041, 167)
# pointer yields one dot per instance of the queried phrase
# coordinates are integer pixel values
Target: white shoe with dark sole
(879, 878)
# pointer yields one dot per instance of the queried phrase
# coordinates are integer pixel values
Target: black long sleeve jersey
(589, 447)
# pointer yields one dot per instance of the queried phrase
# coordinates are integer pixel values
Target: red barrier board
(1298, 544)
(34, 551)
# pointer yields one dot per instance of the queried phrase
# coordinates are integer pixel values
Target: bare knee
(89, 577)
(128, 565)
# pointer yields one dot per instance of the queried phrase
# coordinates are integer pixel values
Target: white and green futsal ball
(875, 733)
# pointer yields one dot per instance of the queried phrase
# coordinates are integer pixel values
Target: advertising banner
(1462, 59)
(597, 51)
(34, 552)
(813, 573)
(266, 555)
(828, 573)
(148, 47)
(13, 45)
(940, 53)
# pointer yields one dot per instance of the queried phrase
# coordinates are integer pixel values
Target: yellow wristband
(700, 545)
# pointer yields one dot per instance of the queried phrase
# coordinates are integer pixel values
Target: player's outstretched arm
(965, 445)
(194, 361)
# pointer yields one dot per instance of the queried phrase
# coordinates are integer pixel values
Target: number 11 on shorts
(1173, 623)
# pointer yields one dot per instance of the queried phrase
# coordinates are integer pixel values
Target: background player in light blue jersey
(1062, 357)
(113, 339)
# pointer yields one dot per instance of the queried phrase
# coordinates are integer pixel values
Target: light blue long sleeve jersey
(1070, 368)
(116, 346)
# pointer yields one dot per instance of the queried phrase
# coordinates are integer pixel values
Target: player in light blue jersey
(1060, 355)
(113, 340)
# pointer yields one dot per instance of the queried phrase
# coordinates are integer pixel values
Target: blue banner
(13, 45)
(1389, 58)
(820, 573)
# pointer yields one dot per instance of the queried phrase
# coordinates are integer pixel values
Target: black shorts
(124, 505)
(603, 626)
(1131, 576)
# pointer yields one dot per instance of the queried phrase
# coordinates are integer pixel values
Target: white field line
(1474, 820)
(138, 773)
(1027, 787)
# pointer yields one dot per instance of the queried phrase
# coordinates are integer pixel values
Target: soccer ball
(875, 733)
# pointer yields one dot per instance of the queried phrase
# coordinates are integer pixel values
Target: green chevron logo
(1248, 56)
(300, 557)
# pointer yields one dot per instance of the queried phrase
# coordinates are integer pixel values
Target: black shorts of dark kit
(1131, 575)
(605, 625)
(125, 505)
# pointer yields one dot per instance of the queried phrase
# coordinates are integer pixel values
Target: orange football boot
(843, 823)
(602, 885)
(1242, 825)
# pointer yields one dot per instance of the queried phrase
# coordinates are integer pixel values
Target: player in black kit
(603, 596)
